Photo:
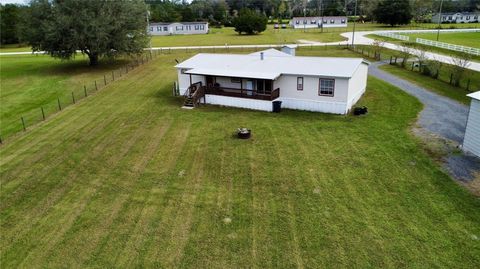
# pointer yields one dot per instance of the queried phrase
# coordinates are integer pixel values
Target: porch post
(190, 79)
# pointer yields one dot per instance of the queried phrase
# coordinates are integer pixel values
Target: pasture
(463, 39)
(129, 179)
(29, 82)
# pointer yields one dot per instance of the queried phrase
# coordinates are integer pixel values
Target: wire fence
(25, 121)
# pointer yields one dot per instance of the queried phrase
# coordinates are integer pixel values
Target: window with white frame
(297, 22)
(202, 27)
(343, 20)
(299, 83)
(165, 28)
(332, 21)
(325, 21)
(159, 28)
(179, 28)
(313, 22)
(326, 87)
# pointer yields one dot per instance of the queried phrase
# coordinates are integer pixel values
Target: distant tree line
(14, 18)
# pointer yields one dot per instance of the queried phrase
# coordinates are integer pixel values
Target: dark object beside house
(277, 106)
(360, 110)
(244, 133)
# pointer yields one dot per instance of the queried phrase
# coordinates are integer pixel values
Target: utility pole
(148, 30)
(354, 20)
(439, 19)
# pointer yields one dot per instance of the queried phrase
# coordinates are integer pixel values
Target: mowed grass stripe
(72, 242)
(325, 190)
(76, 181)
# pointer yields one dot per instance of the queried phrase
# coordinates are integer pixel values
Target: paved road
(441, 115)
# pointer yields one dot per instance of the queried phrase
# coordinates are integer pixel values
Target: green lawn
(432, 84)
(129, 179)
(463, 39)
(453, 38)
(227, 35)
(29, 82)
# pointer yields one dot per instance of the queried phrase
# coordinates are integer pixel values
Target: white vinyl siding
(471, 141)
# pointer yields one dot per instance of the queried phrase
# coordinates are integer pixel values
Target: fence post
(85, 90)
(23, 123)
(59, 105)
(43, 113)
(104, 79)
(96, 88)
(73, 98)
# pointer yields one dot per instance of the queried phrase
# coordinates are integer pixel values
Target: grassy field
(453, 38)
(226, 35)
(129, 179)
(29, 82)
(463, 39)
(435, 85)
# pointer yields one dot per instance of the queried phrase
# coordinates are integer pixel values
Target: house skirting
(316, 106)
(238, 102)
(290, 103)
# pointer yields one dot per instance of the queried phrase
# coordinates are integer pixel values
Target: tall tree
(250, 22)
(9, 19)
(393, 12)
(96, 28)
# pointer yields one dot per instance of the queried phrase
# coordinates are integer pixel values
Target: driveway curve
(441, 116)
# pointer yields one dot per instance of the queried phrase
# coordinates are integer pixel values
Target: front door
(249, 87)
(209, 82)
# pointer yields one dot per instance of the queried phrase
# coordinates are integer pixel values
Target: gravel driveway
(441, 116)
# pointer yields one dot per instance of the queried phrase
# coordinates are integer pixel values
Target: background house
(456, 17)
(471, 141)
(318, 22)
(254, 81)
(178, 28)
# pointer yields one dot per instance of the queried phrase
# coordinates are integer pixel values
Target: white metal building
(178, 28)
(471, 141)
(254, 81)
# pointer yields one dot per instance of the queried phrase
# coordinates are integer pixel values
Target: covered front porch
(260, 87)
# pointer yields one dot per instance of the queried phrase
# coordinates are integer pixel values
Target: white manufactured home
(178, 28)
(469, 17)
(256, 80)
(318, 22)
(471, 141)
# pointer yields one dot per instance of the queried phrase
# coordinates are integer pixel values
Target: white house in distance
(318, 22)
(178, 28)
(256, 80)
(471, 141)
(456, 17)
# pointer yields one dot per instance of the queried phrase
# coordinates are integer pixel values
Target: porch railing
(243, 93)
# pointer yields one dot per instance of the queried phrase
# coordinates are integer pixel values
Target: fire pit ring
(244, 133)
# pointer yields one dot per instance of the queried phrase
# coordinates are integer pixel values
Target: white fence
(393, 35)
(448, 46)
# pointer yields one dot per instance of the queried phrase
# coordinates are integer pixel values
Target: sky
(13, 1)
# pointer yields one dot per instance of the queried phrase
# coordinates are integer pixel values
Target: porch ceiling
(233, 73)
